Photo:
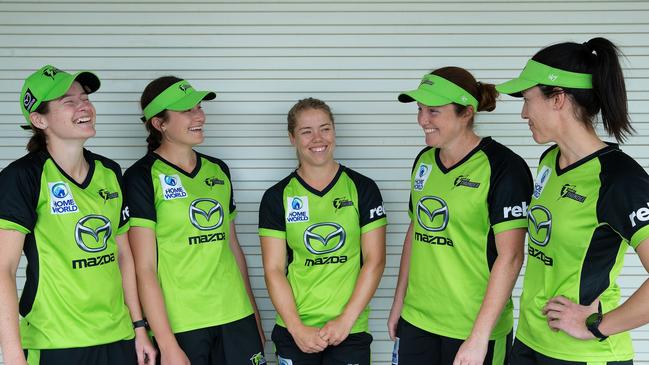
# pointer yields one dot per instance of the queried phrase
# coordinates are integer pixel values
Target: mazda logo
(207, 209)
(320, 237)
(539, 225)
(93, 226)
(432, 213)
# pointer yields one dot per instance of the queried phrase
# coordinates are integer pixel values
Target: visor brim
(191, 100)
(425, 97)
(515, 87)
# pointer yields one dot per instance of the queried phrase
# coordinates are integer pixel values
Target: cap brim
(191, 100)
(88, 80)
(424, 97)
(515, 87)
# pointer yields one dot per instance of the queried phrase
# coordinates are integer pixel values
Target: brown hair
(486, 94)
(38, 140)
(306, 104)
(153, 89)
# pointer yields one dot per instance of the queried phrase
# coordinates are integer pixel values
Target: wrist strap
(141, 323)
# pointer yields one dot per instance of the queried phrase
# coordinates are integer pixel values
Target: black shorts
(354, 350)
(417, 347)
(231, 343)
(120, 352)
(524, 355)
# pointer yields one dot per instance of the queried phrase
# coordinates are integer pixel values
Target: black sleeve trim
(271, 210)
(138, 189)
(510, 184)
(20, 185)
(370, 200)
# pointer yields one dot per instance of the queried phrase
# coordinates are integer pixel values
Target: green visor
(536, 73)
(178, 97)
(437, 91)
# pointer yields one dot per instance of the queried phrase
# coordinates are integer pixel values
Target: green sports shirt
(582, 220)
(73, 295)
(456, 213)
(323, 232)
(191, 215)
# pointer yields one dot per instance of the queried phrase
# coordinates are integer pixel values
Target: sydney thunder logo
(51, 72)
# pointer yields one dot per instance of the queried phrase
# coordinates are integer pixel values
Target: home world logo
(172, 187)
(61, 200)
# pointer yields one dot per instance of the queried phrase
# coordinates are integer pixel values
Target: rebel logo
(432, 213)
(323, 238)
(539, 225)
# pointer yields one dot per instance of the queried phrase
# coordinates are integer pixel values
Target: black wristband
(141, 323)
(592, 324)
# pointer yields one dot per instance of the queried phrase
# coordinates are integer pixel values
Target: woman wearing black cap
(192, 273)
(464, 247)
(63, 205)
(589, 205)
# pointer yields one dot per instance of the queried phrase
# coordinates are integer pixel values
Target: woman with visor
(588, 207)
(192, 273)
(63, 206)
(463, 249)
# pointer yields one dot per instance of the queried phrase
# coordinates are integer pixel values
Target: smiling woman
(468, 203)
(324, 224)
(63, 205)
(184, 241)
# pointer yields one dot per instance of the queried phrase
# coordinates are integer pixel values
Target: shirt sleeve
(624, 197)
(272, 222)
(139, 195)
(20, 186)
(370, 203)
(510, 191)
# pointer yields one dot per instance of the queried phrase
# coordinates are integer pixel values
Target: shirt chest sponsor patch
(297, 209)
(61, 200)
(541, 179)
(172, 187)
(422, 173)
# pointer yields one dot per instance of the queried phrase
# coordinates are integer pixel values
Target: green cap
(536, 73)
(178, 97)
(437, 91)
(49, 83)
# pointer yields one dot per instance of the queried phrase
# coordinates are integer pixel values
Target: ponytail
(609, 88)
(599, 57)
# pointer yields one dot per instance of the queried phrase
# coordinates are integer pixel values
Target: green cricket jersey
(323, 232)
(191, 215)
(582, 219)
(456, 213)
(73, 295)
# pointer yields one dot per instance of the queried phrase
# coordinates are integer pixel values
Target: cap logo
(51, 72)
(427, 82)
(552, 77)
(464, 99)
(184, 87)
(29, 100)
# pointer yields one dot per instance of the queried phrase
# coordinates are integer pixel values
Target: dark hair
(486, 94)
(598, 57)
(153, 89)
(306, 104)
(38, 140)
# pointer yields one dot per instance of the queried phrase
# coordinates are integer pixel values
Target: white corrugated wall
(261, 56)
